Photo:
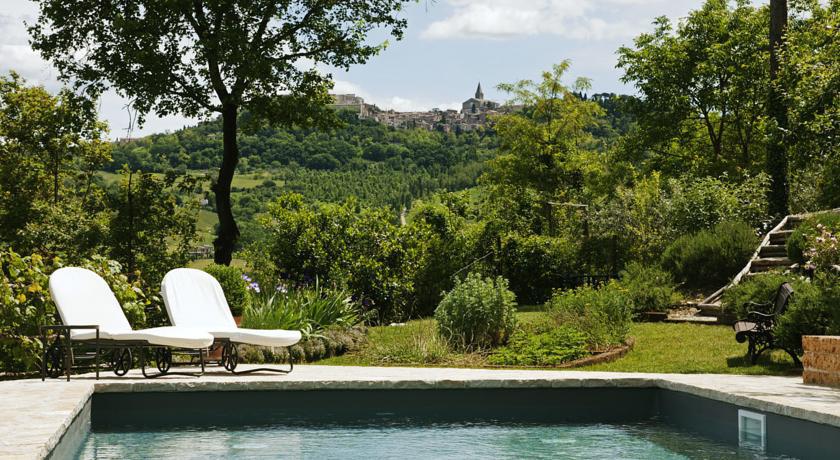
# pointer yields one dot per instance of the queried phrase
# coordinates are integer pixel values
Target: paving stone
(37, 413)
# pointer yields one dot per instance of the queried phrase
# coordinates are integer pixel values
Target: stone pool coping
(36, 414)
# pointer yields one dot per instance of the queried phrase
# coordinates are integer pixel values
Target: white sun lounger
(91, 314)
(195, 299)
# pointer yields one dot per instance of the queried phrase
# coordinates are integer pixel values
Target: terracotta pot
(216, 354)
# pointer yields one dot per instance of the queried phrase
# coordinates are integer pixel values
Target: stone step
(772, 262)
(780, 237)
(692, 319)
(773, 250)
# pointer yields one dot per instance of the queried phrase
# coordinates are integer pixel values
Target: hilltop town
(474, 113)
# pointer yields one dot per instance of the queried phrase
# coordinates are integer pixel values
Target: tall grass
(309, 310)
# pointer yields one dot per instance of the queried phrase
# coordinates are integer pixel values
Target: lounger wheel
(230, 356)
(163, 359)
(55, 360)
(121, 361)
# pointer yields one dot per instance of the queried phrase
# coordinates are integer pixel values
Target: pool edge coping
(665, 382)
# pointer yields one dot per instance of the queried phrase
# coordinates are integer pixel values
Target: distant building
(354, 103)
(473, 114)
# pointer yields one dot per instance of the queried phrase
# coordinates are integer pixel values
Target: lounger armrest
(59, 328)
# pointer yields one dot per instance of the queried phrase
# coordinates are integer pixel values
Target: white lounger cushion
(166, 336)
(194, 298)
(84, 298)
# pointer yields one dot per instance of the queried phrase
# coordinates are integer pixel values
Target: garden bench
(757, 327)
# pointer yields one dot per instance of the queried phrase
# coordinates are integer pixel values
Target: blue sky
(449, 46)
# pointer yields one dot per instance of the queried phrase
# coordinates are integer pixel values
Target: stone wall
(821, 360)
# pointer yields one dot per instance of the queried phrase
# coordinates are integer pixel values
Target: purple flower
(254, 286)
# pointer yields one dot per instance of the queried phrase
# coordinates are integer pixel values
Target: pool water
(648, 440)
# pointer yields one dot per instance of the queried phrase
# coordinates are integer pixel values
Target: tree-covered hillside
(353, 146)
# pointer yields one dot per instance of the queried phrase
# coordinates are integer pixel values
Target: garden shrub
(234, 284)
(703, 203)
(824, 250)
(647, 288)
(333, 341)
(536, 264)
(814, 307)
(602, 315)
(710, 257)
(478, 313)
(803, 236)
(759, 288)
(25, 303)
(363, 249)
(449, 249)
(307, 309)
(809, 313)
(550, 348)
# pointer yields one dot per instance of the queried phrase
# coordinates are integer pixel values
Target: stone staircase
(771, 254)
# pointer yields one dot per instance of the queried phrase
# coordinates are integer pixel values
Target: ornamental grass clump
(477, 314)
(307, 309)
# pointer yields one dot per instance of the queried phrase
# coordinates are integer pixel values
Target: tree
(542, 146)
(50, 148)
(702, 86)
(153, 226)
(205, 57)
(810, 80)
(777, 162)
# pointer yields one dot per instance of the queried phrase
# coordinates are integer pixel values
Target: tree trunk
(228, 231)
(777, 163)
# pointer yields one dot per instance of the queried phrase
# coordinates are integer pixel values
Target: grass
(692, 349)
(659, 348)
(202, 263)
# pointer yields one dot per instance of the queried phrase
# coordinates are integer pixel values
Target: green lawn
(659, 347)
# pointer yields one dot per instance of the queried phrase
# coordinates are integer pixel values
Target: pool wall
(710, 418)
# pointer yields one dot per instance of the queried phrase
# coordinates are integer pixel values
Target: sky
(449, 47)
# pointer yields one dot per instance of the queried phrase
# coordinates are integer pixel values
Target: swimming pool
(441, 423)
(649, 440)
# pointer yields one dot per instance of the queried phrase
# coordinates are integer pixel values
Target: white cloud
(573, 19)
(391, 102)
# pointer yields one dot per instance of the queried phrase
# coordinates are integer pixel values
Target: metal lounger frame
(108, 344)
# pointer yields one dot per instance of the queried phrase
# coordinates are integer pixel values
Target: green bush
(235, 286)
(478, 313)
(648, 288)
(712, 257)
(602, 315)
(25, 303)
(348, 245)
(703, 203)
(556, 346)
(536, 264)
(814, 307)
(449, 247)
(800, 240)
(760, 288)
(305, 309)
(809, 313)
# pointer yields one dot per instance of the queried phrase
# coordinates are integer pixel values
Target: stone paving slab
(36, 414)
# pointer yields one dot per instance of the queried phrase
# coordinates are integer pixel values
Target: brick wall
(821, 360)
